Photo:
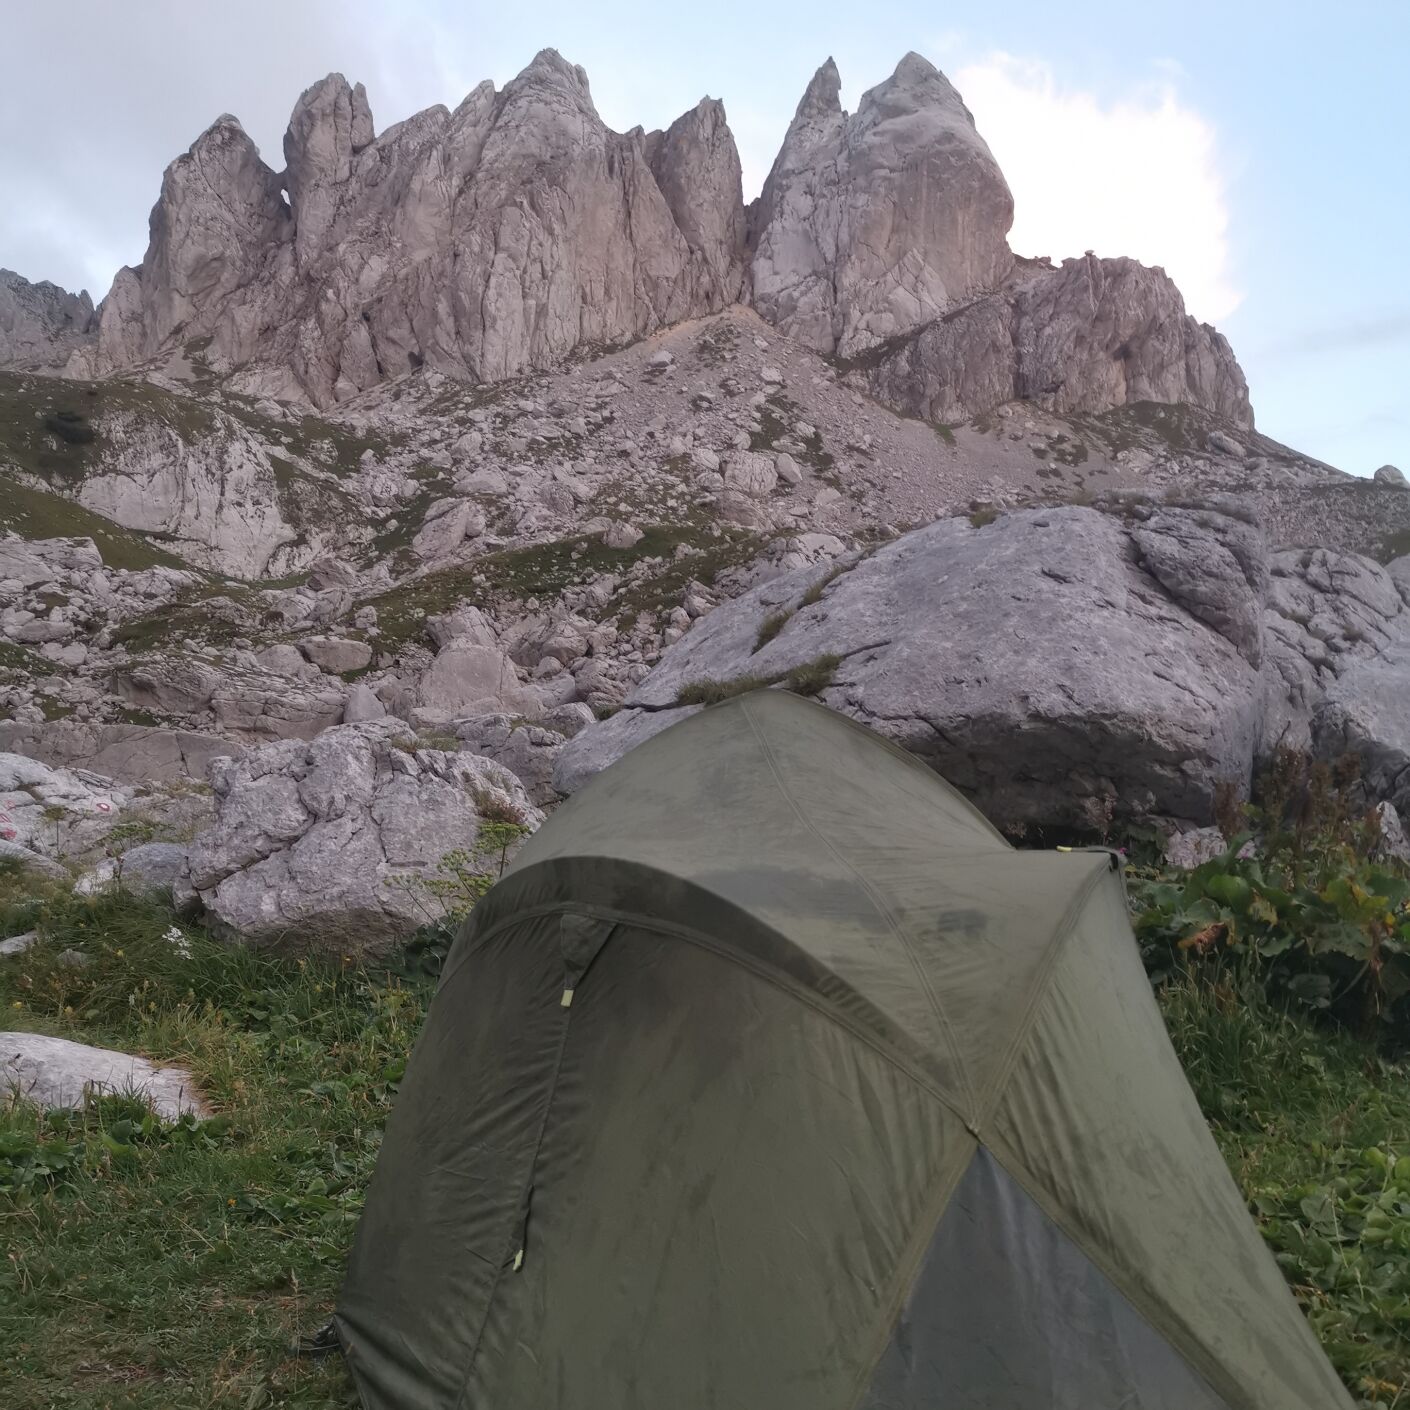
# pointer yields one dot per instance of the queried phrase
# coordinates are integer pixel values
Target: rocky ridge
(41, 325)
(517, 229)
(1014, 515)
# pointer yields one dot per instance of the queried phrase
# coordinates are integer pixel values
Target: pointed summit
(872, 225)
(822, 95)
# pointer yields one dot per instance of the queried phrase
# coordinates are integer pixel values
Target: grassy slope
(174, 1270)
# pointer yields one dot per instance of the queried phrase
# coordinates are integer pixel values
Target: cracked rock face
(327, 844)
(1055, 664)
(41, 325)
(1094, 333)
(505, 235)
(871, 225)
(481, 242)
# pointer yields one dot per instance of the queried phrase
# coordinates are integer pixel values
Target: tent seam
(967, 1090)
(1037, 992)
(907, 1267)
(766, 973)
(567, 1015)
(1199, 1361)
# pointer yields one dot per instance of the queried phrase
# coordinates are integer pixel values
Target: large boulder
(1058, 665)
(1332, 617)
(56, 812)
(328, 844)
(56, 1072)
(1366, 713)
(529, 750)
(467, 679)
(871, 225)
(128, 753)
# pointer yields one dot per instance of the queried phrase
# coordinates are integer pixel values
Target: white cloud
(1136, 176)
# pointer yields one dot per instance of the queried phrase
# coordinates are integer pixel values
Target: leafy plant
(1316, 1131)
(1301, 901)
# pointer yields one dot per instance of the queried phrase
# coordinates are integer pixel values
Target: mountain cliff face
(871, 225)
(482, 243)
(502, 237)
(40, 324)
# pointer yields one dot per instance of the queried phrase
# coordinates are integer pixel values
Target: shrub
(1309, 912)
(770, 627)
(69, 426)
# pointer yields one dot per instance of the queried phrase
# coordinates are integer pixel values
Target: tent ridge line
(1037, 992)
(1144, 1304)
(889, 1054)
(956, 1057)
(908, 1266)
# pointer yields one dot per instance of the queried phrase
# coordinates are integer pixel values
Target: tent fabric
(691, 1115)
(1029, 1321)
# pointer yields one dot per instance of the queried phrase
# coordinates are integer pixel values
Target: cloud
(1137, 175)
(1351, 335)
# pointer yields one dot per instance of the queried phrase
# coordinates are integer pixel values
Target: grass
(37, 514)
(545, 570)
(810, 678)
(155, 1267)
(168, 1268)
(1316, 1131)
(20, 658)
(771, 626)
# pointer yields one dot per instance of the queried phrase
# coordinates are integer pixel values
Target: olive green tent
(770, 1077)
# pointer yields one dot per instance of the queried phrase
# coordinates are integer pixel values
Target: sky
(1258, 150)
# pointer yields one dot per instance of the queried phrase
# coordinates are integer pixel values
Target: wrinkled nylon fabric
(847, 851)
(807, 974)
(1099, 1125)
(446, 1200)
(1008, 1314)
(724, 1173)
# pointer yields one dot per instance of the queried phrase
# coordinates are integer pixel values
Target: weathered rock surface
(466, 679)
(1056, 664)
(1329, 615)
(56, 1072)
(1366, 713)
(481, 242)
(529, 750)
(127, 753)
(41, 325)
(871, 225)
(322, 845)
(1390, 475)
(1092, 334)
(56, 812)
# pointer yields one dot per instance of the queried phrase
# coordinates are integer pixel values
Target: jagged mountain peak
(503, 236)
(822, 96)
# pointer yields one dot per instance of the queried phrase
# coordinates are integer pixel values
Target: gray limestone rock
(335, 654)
(56, 1072)
(1090, 335)
(154, 868)
(481, 242)
(41, 325)
(326, 844)
(463, 677)
(871, 225)
(128, 753)
(1034, 662)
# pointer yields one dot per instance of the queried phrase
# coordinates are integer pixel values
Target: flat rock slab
(55, 1072)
